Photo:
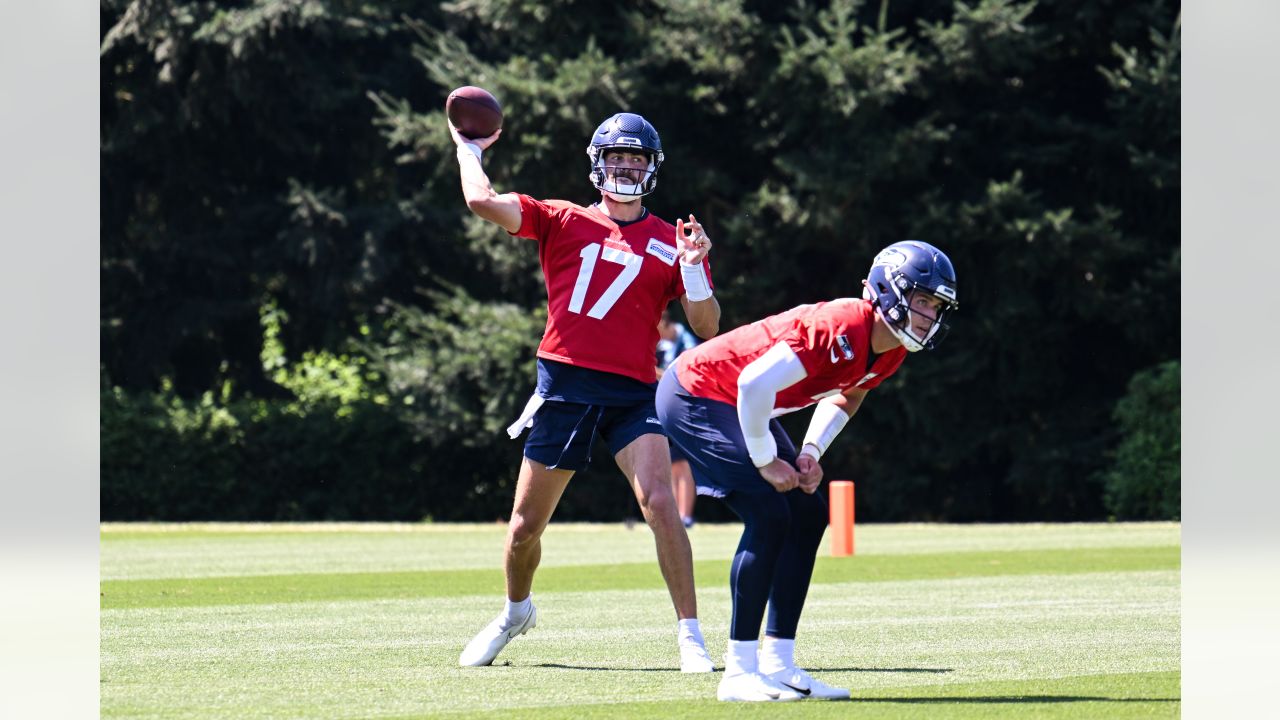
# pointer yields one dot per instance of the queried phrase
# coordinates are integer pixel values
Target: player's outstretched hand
(780, 475)
(483, 143)
(691, 240)
(810, 473)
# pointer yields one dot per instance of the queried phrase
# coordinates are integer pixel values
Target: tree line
(300, 320)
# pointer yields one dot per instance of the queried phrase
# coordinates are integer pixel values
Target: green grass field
(366, 621)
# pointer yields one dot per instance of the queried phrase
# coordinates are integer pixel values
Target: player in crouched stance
(717, 404)
(610, 270)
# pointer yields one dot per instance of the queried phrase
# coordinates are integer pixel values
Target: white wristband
(696, 286)
(811, 451)
(827, 422)
(761, 449)
(466, 149)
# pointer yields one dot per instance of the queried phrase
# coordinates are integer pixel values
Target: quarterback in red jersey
(718, 403)
(610, 270)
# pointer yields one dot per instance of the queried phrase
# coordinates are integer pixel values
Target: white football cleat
(808, 686)
(754, 687)
(694, 658)
(486, 645)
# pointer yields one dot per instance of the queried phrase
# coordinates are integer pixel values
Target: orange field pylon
(841, 518)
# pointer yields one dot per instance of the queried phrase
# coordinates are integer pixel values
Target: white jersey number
(630, 263)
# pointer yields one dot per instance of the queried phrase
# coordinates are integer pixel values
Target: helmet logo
(892, 257)
(946, 292)
(628, 141)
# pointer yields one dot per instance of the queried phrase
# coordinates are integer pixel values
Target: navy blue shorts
(708, 433)
(563, 432)
(676, 453)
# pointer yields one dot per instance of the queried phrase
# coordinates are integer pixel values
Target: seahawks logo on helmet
(891, 257)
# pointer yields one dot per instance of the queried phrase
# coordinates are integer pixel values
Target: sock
(517, 611)
(776, 654)
(690, 632)
(740, 657)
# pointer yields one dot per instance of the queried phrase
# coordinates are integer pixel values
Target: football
(474, 111)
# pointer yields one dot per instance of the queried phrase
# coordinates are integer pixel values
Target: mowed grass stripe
(181, 551)
(1129, 695)
(310, 587)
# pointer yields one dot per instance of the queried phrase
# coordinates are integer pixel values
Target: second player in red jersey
(719, 408)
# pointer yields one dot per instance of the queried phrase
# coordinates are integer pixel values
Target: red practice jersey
(832, 340)
(607, 285)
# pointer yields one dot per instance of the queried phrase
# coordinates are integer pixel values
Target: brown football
(474, 111)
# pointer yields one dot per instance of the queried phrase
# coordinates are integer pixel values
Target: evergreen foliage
(291, 155)
(1145, 480)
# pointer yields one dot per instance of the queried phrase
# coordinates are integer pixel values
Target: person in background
(673, 339)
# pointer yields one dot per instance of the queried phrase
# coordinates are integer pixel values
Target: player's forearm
(755, 405)
(758, 387)
(827, 422)
(479, 194)
(704, 317)
(476, 188)
(829, 417)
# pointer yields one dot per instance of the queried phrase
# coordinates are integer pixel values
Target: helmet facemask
(935, 328)
(611, 182)
(625, 132)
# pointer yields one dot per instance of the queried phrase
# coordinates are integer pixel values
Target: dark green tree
(292, 155)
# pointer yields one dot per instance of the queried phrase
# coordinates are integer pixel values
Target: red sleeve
(535, 218)
(804, 339)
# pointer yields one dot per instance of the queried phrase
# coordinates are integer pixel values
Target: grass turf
(1055, 620)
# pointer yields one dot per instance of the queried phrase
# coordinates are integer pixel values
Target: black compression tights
(774, 562)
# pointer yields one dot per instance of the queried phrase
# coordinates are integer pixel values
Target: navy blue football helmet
(898, 271)
(625, 131)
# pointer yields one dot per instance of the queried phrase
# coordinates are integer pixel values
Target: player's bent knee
(656, 498)
(521, 533)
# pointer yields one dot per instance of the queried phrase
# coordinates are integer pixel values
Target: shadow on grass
(559, 666)
(936, 671)
(997, 700)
